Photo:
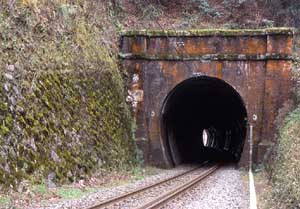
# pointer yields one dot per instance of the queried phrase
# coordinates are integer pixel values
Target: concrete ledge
(210, 32)
(214, 57)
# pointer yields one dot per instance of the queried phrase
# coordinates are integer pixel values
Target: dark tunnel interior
(204, 118)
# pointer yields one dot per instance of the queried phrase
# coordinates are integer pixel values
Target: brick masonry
(256, 63)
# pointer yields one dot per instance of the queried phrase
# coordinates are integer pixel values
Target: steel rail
(119, 198)
(166, 197)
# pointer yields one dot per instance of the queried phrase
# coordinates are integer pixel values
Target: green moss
(73, 193)
(4, 130)
(75, 116)
(68, 116)
(4, 201)
(209, 32)
(3, 106)
(208, 57)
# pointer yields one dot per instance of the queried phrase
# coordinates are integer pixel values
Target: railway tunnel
(183, 108)
(204, 118)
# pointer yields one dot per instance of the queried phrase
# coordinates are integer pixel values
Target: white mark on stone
(134, 104)
(247, 69)
(6, 87)
(152, 113)
(135, 78)
(8, 76)
(10, 67)
(129, 99)
(138, 95)
(196, 74)
(178, 44)
(254, 117)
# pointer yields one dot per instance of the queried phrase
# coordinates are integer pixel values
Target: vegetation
(62, 110)
(283, 164)
(286, 175)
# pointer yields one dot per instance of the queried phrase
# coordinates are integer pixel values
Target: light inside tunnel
(205, 137)
(204, 118)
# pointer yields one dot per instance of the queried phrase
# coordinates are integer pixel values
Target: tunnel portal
(186, 89)
(204, 118)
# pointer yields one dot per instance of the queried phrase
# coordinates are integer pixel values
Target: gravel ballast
(109, 192)
(226, 188)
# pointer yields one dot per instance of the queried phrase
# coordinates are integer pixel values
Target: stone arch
(203, 103)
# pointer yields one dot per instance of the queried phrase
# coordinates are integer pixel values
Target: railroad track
(148, 198)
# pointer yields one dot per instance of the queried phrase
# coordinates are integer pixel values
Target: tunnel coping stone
(211, 32)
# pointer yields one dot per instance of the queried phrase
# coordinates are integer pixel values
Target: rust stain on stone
(219, 68)
(280, 44)
(138, 45)
(199, 46)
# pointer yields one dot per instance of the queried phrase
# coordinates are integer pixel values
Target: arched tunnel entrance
(204, 118)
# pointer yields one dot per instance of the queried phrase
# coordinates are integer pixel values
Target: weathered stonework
(257, 63)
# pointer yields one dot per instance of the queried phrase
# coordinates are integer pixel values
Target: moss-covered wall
(62, 107)
(68, 124)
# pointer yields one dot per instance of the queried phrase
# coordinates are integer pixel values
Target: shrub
(286, 176)
(206, 8)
